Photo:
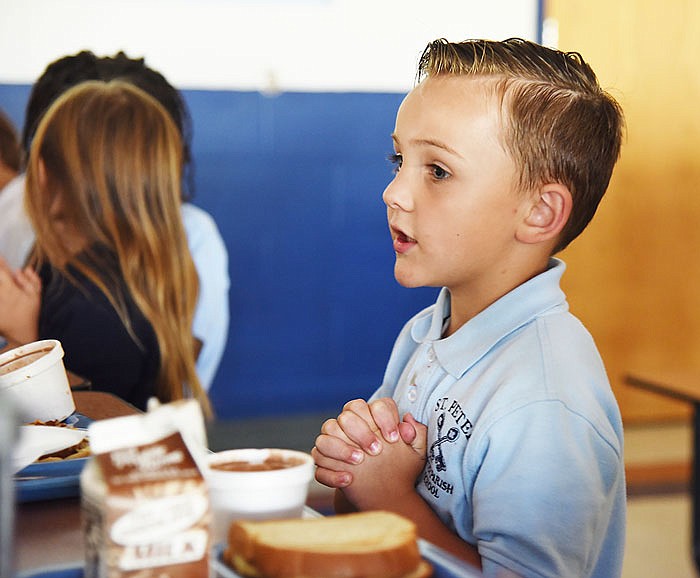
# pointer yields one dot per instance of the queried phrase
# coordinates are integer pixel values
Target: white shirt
(16, 233)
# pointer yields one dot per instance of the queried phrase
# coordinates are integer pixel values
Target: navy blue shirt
(96, 343)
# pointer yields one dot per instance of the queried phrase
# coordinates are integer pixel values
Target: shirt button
(412, 394)
(431, 354)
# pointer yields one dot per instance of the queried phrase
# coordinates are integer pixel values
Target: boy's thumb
(420, 440)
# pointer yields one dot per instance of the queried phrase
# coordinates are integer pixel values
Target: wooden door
(634, 274)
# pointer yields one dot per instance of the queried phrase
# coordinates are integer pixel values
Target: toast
(360, 545)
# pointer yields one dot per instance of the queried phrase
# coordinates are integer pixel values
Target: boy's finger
(353, 429)
(420, 443)
(331, 427)
(333, 479)
(329, 447)
(407, 432)
(361, 408)
(329, 472)
(362, 432)
(385, 414)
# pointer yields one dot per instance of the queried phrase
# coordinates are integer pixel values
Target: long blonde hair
(106, 160)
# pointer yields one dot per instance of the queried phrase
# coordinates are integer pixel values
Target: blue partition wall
(294, 182)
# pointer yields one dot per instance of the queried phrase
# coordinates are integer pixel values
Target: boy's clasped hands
(371, 454)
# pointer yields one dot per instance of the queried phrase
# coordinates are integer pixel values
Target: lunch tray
(444, 566)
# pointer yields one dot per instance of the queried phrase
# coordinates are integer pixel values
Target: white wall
(310, 45)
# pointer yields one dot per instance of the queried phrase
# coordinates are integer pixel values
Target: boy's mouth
(402, 241)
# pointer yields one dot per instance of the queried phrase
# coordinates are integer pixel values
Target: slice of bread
(361, 545)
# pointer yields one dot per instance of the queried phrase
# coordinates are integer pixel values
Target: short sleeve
(544, 495)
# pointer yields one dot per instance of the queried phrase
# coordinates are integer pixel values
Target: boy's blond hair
(559, 124)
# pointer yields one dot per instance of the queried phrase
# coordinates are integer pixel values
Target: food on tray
(79, 450)
(50, 423)
(364, 544)
(24, 360)
(275, 461)
(74, 452)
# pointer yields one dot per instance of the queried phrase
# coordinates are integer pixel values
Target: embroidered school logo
(436, 454)
(452, 423)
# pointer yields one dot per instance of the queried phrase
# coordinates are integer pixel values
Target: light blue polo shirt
(211, 315)
(525, 444)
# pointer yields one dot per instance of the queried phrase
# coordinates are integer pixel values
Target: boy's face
(453, 206)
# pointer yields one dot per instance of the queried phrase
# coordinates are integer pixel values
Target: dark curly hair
(72, 70)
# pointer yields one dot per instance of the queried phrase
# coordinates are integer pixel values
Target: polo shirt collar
(458, 352)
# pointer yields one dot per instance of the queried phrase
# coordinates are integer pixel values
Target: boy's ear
(547, 215)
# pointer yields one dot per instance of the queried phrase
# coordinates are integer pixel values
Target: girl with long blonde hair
(118, 285)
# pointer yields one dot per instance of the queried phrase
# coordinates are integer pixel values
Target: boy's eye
(396, 160)
(438, 172)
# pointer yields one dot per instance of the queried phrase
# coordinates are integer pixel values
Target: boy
(514, 458)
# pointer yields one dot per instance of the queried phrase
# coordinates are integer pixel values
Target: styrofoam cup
(257, 495)
(34, 377)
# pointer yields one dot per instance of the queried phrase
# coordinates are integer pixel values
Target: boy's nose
(397, 196)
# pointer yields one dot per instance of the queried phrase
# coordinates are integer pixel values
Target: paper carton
(144, 500)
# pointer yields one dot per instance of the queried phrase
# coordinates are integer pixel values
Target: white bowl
(34, 377)
(257, 495)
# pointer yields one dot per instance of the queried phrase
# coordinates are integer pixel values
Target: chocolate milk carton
(144, 500)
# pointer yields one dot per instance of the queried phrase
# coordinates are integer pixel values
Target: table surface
(100, 405)
(48, 534)
(677, 383)
(682, 384)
